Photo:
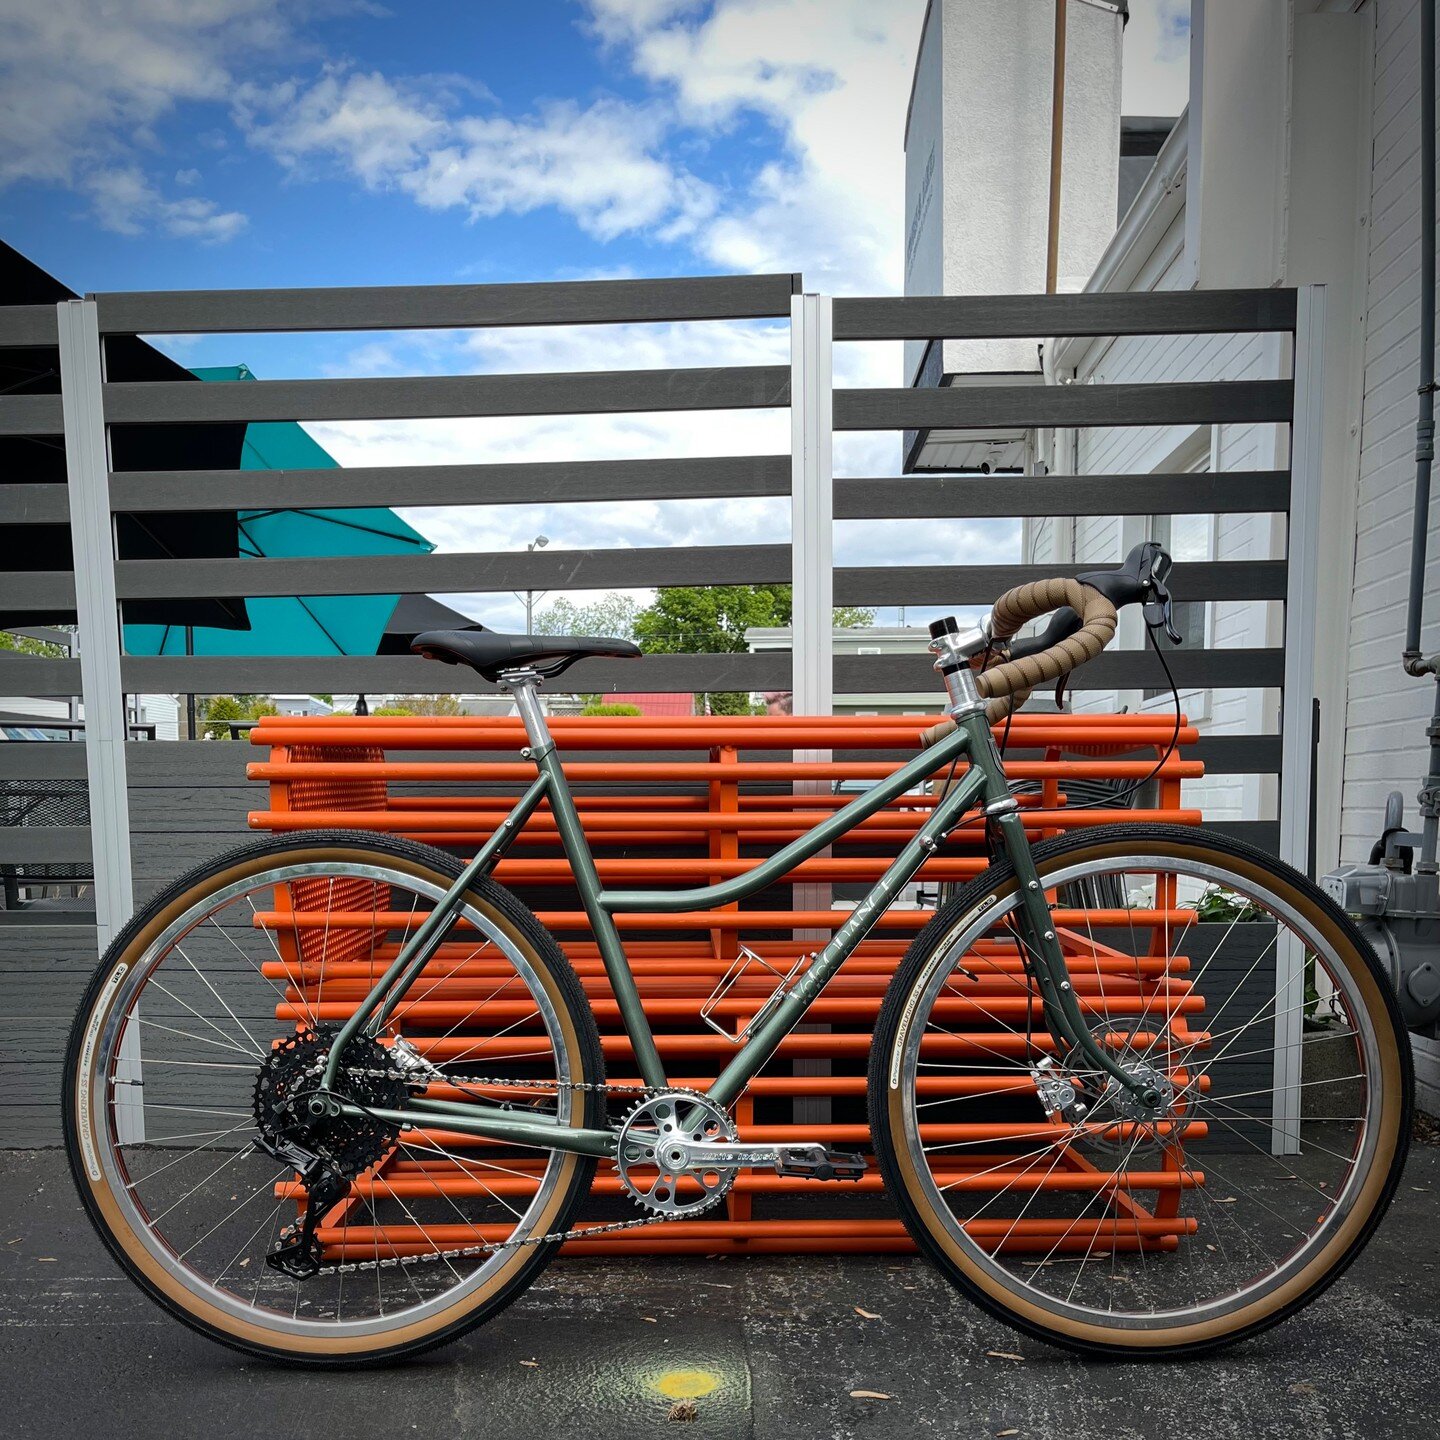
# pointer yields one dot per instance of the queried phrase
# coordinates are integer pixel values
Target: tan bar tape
(1008, 686)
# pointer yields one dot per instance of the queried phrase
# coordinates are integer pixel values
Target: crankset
(678, 1153)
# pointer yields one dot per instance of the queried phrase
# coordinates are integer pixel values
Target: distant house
(302, 705)
(863, 640)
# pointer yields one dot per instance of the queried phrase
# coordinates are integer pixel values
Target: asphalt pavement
(764, 1347)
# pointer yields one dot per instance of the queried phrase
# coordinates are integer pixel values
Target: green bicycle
(336, 1098)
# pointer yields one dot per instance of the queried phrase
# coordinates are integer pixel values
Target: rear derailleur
(299, 1253)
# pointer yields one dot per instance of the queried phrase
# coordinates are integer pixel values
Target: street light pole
(538, 543)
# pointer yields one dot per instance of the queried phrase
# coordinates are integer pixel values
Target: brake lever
(1159, 611)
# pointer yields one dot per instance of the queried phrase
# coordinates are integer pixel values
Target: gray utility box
(1399, 914)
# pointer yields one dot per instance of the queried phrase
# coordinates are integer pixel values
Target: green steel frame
(983, 784)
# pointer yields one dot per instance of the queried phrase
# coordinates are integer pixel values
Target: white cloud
(1157, 57)
(82, 86)
(600, 163)
(833, 76)
(675, 435)
(379, 130)
(126, 203)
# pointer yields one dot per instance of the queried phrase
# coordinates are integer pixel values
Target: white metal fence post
(1302, 579)
(812, 508)
(92, 542)
(812, 636)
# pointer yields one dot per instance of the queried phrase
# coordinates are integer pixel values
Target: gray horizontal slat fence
(410, 675)
(31, 415)
(989, 317)
(1033, 407)
(48, 954)
(35, 504)
(582, 303)
(535, 483)
(426, 307)
(538, 483)
(536, 570)
(979, 584)
(188, 801)
(1113, 670)
(27, 325)
(1226, 492)
(957, 406)
(747, 387)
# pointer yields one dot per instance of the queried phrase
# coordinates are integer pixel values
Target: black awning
(40, 459)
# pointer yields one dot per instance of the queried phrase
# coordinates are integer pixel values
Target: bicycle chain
(492, 1247)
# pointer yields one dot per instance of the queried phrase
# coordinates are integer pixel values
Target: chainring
(650, 1150)
(349, 1144)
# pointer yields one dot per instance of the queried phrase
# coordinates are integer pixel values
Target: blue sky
(215, 143)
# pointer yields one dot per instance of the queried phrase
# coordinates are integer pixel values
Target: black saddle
(491, 653)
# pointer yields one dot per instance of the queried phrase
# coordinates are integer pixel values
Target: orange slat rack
(687, 801)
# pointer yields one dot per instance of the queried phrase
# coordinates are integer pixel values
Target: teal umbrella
(293, 625)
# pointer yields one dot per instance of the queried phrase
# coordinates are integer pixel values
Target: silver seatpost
(521, 684)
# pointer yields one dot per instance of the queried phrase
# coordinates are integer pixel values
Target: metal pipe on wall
(1414, 660)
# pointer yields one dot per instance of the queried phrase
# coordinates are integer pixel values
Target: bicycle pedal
(814, 1162)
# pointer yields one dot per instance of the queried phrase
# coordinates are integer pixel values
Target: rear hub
(290, 1079)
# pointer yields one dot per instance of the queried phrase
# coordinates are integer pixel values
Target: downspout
(1414, 660)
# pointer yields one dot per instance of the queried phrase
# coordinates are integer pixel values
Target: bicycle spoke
(189, 1191)
(1125, 1212)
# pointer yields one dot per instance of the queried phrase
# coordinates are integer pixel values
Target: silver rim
(188, 1020)
(1143, 1222)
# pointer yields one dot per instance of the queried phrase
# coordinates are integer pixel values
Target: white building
(1297, 163)
(302, 705)
(861, 640)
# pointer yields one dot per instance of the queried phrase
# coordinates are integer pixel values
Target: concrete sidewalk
(775, 1345)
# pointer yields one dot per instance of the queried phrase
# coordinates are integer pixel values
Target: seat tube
(587, 880)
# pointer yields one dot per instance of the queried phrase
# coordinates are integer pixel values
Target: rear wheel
(1254, 1010)
(221, 1001)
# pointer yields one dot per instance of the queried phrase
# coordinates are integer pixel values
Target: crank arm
(807, 1158)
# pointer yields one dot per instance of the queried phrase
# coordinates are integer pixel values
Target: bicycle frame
(983, 784)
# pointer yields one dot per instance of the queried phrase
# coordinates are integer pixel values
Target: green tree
(217, 711)
(713, 619)
(613, 616)
(421, 705)
(616, 707)
(29, 645)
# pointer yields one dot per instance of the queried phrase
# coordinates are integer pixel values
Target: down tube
(764, 1042)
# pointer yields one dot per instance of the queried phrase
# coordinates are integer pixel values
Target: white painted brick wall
(1386, 712)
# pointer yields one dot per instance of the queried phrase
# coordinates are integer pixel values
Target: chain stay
(492, 1247)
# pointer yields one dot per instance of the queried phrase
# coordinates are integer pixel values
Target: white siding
(1387, 712)
(1140, 450)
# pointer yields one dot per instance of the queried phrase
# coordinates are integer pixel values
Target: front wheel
(1045, 1190)
(212, 1015)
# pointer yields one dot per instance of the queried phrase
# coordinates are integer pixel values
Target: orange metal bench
(714, 798)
